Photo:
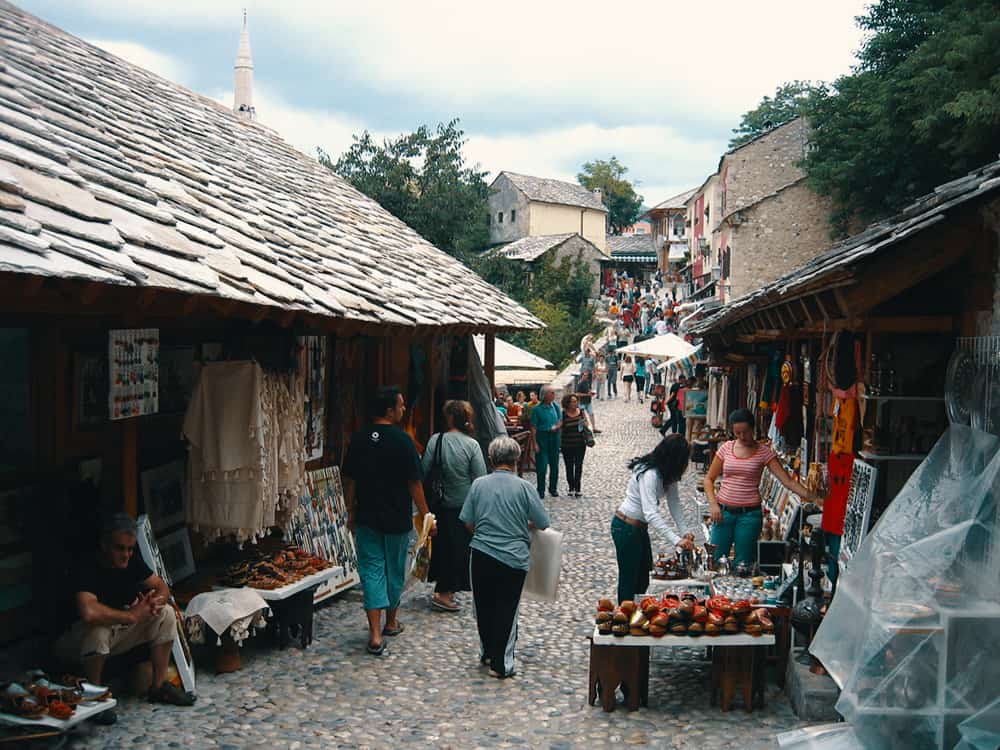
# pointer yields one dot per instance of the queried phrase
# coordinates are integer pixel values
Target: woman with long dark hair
(461, 463)
(653, 475)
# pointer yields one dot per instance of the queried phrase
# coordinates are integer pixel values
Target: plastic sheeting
(911, 634)
(982, 731)
(489, 423)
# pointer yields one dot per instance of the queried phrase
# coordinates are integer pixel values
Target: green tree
(922, 106)
(786, 104)
(422, 179)
(618, 193)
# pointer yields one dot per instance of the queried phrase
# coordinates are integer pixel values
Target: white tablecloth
(233, 610)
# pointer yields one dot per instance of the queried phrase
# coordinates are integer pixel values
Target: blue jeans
(382, 566)
(743, 529)
(547, 458)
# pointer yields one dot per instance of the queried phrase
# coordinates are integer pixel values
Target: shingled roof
(631, 244)
(531, 248)
(675, 201)
(547, 190)
(109, 173)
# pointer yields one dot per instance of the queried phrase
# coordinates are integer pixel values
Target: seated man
(121, 604)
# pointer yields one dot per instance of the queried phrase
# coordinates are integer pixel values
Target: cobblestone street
(429, 691)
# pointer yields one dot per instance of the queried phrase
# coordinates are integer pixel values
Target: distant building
(635, 254)
(756, 219)
(530, 251)
(641, 226)
(669, 226)
(522, 206)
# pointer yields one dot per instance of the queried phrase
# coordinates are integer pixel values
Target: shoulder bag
(434, 481)
(588, 433)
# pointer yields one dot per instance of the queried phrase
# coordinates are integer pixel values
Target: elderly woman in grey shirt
(499, 511)
(461, 464)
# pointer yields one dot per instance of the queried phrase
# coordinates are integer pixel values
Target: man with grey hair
(499, 511)
(546, 430)
(121, 605)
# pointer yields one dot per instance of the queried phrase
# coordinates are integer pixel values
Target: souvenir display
(318, 523)
(857, 516)
(682, 615)
(134, 365)
(315, 401)
(273, 571)
(38, 695)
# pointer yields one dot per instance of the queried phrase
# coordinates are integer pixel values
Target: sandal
(375, 650)
(16, 700)
(171, 694)
(444, 606)
(393, 632)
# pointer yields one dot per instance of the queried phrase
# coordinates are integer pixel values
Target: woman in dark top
(574, 443)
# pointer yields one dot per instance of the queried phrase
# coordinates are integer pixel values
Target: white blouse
(642, 502)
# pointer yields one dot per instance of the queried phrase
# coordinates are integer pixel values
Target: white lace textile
(238, 611)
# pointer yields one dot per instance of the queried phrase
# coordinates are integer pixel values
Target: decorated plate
(960, 388)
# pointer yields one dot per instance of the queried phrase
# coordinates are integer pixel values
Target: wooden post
(130, 468)
(489, 361)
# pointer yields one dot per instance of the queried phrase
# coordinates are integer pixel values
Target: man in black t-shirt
(382, 481)
(121, 604)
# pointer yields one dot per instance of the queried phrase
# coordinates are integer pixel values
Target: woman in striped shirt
(736, 513)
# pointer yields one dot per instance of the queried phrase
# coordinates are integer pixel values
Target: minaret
(243, 86)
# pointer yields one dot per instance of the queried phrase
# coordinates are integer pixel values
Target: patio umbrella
(668, 346)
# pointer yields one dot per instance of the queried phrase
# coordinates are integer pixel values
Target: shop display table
(231, 615)
(292, 606)
(83, 712)
(737, 662)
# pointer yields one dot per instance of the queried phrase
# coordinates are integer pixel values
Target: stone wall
(505, 198)
(776, 236)
(761, 167)
(578, 247)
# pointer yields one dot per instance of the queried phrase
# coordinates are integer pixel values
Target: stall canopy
(668, 346)
(682, 364)
(509, 357)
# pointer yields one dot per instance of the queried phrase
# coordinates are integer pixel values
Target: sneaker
(554, 494)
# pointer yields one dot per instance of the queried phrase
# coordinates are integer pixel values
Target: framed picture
(315, 404)
(90, 389)
(150, 551)
(175, 550)
(176, 378)
(164, 495)
(695, 404)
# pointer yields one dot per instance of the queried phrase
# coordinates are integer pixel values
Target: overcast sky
(541, 86)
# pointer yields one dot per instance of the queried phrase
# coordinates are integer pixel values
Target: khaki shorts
(83, 641)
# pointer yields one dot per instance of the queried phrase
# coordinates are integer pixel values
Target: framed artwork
(150, 551)
(176, 378)
(315, 401)
(695, 404)
(90, 389)
(175, 550)
(164, 494)
(318, 524)
(858, 515)
(134, 372)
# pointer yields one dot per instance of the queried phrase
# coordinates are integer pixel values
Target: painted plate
(960, 388)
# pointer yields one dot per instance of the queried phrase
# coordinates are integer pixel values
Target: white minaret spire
(243, 86)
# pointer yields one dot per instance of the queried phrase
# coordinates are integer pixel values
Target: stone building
(530, 251)
(755, 218)
(523, 206)
(669, 227)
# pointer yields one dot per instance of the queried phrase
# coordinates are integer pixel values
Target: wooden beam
(32, 285)
(805, 309)
(838, 296)
(130, 468)
(189, 306)
(822, 310)
(146, 297)
(286, 319)
(90, 293)
(912, 324)
(489, 363)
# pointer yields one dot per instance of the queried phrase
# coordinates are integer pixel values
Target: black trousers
(496, 591)
(450, 558)
(574, 466)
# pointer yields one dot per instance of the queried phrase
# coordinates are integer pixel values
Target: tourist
(521, 399)
(121, 605)
(499, 512)
(661, 327)
(600, 376)
(381, 483)
(461, 464)
(628, 375)
(525, 418)
(640, 379)
(612, 362)
(574, 443)
(546, 426)
(653, 475)
(585, 392)
(627, 317)
(513, 410)
(737, 518)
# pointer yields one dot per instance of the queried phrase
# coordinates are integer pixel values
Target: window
(513, 215)
(500, 217)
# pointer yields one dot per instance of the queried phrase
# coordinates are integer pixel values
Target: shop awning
(705, 291)
(683, 364)
(509, 357)
(668, 346)
(677, 252)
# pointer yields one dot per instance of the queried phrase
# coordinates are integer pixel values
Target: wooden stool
(737, 667)
(611, 666)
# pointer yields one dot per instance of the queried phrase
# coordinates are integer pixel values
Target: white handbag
(542, 582)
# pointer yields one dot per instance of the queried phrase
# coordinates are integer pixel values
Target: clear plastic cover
(911, 634)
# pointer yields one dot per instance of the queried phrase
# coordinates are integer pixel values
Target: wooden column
(489, 360)
(130, 479)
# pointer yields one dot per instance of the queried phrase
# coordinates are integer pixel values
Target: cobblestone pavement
(429, 691)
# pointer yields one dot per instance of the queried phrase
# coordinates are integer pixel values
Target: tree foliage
(922, 106)
(618, 193)
(787, 103)
(422, 178)
(558, 294)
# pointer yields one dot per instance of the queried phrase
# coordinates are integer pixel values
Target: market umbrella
(682, 363)
(668, 346)
(509, 357)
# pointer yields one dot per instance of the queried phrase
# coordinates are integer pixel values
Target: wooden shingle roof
(548, 190)
(109, 173)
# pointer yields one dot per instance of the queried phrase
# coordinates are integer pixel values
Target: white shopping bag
(542, 582)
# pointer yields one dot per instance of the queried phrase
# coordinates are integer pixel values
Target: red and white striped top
(741, 476)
